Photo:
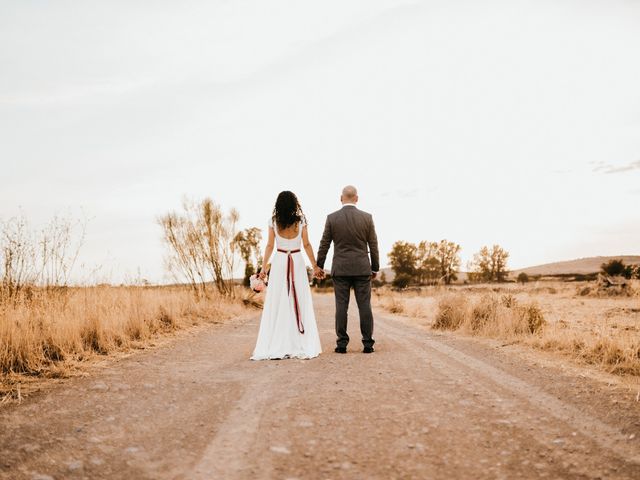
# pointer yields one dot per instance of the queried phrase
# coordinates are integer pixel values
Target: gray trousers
(362, 289)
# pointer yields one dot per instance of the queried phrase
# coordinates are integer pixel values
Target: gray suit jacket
(351, 231)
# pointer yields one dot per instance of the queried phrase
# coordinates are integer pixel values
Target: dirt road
(424, 405)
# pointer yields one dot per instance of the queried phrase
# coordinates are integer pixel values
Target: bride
(288, 325)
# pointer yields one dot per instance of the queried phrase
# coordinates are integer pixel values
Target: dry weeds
(603, 331)
(50, 331)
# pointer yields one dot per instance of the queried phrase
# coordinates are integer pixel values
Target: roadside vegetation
(50, 325)
(597, 328)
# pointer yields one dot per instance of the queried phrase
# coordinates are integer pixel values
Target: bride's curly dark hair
(287, 210)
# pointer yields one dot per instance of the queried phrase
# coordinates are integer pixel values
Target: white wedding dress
(280, 328)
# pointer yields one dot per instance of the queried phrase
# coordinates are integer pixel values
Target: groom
(354, 238)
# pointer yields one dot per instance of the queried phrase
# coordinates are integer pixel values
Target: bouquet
(257, 284)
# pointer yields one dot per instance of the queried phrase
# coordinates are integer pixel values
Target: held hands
(318, 273)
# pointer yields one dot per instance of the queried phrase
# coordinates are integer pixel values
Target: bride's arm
(308, 248)
(268, 251)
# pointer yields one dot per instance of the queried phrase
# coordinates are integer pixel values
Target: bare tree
(58, 250)
(38, 259)
(18, 255)
(200, 241)
(181, 260)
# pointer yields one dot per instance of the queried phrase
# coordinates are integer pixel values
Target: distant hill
(580, 266)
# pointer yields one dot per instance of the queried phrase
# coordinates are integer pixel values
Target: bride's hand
(318, 272)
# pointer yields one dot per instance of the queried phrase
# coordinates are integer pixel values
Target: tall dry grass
(491, 315)
(46, 326)
(42, 332)
(502, 313)
(618, 354)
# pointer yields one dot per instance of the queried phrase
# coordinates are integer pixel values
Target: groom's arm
(325, 243)
(372, 240)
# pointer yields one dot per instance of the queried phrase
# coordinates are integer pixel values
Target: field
(571, 319)
(50, 333)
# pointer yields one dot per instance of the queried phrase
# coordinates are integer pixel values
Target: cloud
(606, 168)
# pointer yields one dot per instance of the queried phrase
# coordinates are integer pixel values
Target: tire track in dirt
(606, 436)
(523, 397)
(227, 455)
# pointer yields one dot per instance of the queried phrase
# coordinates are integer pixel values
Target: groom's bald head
(349, 194)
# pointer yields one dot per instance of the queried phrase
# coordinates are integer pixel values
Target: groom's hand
(374, 275)
(318, 273)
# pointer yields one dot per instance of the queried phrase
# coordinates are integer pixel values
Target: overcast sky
(510, 122)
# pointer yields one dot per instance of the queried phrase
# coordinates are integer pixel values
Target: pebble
(75, 465)
(100, 386)
(280, 449)
(41, 476)
(131, 450)
(632, 436)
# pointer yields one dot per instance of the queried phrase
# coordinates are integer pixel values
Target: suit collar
(348, 205)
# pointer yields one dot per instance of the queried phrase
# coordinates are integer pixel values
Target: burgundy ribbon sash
(291, 286)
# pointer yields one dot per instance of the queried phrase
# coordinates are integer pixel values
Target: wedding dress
(288, 325)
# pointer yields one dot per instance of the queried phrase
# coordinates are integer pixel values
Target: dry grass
(490, 315)
(601, 330)
(411, 306)
(618, 354)
(51, 331)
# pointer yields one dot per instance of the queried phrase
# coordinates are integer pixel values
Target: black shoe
(341, 350)
(368, 350)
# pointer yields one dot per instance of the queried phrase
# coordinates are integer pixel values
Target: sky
(509, 122)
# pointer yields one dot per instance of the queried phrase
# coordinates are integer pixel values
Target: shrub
(402, 280)
(395, 306)
(533, 317)
(523, 278)
(618, 268)
(508, 300)
(484, 312)
(584, 291)
(452, 311)
(491, 315)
